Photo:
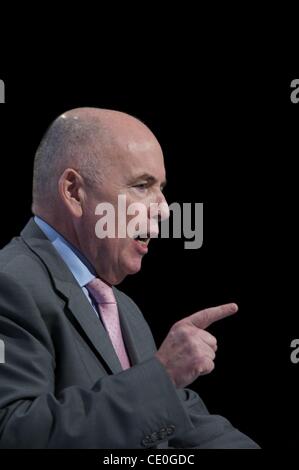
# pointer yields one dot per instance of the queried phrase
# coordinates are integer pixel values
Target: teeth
(142, 240)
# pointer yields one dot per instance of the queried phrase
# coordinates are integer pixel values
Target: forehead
(141, 157)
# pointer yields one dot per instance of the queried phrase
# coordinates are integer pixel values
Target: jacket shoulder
(21, 264)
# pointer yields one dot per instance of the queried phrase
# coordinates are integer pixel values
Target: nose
(157, 212)
(163, 212)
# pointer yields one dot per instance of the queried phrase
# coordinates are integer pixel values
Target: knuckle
(201, 365)
(177, 327)
(198, 370)
(208, 364)
(181, 329)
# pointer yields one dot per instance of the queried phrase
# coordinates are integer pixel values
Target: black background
(229, 137)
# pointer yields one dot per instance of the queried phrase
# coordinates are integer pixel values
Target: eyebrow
(150, 179)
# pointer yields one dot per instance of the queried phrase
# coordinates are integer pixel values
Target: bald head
(89, 157)
(87, 140)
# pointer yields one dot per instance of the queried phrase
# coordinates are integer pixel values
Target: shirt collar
(80, 267)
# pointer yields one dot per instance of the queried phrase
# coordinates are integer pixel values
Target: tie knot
(101, 292)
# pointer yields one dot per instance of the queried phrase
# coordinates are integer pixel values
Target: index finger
(206, 317)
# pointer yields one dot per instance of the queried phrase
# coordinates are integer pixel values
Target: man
(81, 367)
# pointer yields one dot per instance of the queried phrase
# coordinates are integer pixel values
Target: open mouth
(143, 240)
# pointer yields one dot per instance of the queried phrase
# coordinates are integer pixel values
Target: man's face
(136, 171)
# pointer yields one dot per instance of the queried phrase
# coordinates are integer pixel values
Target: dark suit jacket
(62, 386)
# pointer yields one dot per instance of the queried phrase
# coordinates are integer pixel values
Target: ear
(71, 191)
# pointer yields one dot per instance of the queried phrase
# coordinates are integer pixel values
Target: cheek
(138, 218)
(89, 225)
(123, 250)
(116, 246)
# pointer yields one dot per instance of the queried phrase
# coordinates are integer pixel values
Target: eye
(141, 186)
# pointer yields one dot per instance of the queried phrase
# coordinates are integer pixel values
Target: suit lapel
(69, 289)
(128, 335)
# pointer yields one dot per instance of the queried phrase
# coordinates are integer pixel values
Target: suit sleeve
(136, 408)
(209, 431)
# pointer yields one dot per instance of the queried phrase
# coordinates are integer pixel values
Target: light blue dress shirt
(80, 267)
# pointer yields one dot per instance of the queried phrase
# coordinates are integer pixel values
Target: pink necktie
(104, 296)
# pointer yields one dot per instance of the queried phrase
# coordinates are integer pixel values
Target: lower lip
(142, 248)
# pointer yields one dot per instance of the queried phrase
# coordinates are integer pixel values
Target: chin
(133, 267)
(120, 278)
